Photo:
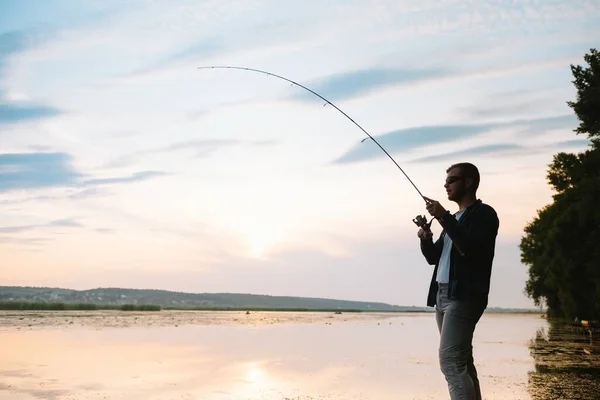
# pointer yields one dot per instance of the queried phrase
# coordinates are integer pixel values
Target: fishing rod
(420, 221)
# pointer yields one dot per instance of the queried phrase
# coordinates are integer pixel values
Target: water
(218, 356)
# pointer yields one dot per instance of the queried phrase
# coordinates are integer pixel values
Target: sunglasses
(451, 179)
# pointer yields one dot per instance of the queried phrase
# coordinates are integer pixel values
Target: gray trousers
(456, 321)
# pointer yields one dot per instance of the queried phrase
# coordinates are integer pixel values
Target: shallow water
(266, 355)
(567, 363)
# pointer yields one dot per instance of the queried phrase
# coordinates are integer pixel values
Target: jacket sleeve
(480, 234)
(432, 251)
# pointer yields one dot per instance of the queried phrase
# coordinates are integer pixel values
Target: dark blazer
(471, 266)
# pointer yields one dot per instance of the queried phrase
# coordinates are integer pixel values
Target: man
(460, 284)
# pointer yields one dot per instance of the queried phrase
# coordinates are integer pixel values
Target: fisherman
(463, 257)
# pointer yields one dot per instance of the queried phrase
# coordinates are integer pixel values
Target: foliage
(59, 306)
(587, 83)
(561, 245)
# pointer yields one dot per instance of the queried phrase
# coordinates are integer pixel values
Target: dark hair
(467, 170)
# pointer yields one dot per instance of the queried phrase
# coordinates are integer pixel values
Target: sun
(260, 237)
(260, 242)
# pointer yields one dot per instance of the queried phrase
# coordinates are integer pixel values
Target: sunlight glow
(260, 236)
(254, 375)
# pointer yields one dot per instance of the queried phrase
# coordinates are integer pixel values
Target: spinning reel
(421, 222)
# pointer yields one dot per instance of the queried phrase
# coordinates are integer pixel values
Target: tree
(561, 245)
(587, 106)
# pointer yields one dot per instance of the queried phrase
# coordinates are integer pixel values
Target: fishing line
(328, 102)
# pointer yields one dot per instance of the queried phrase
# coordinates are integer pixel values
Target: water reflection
(392, 358)
(567, 363)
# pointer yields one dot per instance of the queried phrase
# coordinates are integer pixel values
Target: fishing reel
(421, 222)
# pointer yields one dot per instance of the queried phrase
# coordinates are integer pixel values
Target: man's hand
(423, 234)
(434, 208)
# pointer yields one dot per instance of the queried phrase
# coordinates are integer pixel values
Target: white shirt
(443, 272)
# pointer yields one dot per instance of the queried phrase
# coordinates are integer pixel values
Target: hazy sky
(122, 164)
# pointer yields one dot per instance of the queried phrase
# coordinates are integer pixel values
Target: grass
(59, 306)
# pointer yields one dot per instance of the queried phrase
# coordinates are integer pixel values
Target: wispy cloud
(44, 170)
(76, 195)
(511, 103)
(501, 149)
(288, 28)
(202, 148)
(11, 111)
(36, 170)
(416, 137)
(352, 84)
(573, 143)
(198, 148)
(136, 177)
(473, 151)
(201, 49)
(12, 42)
(515, 107)
(17, 112)
(22, 234)
(28, 241)
(105, 231)
(61, 223)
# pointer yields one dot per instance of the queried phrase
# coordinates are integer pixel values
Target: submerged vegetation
(567, 363)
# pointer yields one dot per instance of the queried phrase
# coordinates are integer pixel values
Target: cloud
(200, 148)
(32, 242)
(501, 148)
(78, 194)
(7, 233)
(411, 138)
(105, 231)
(260, 143)
(14, 112)
(203, 48)
(282, 32)
(36, 170)
(352, 84)
(63, 223)
(416, 137)
(44, 170)
(136, 177)
(473, 151)
(12, 43)
(495, 108)
(574, 143)
(537, 126)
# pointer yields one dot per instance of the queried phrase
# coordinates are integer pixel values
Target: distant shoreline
(62, 306)
(44, 298)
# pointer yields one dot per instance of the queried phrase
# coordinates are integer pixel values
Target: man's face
(455, 185)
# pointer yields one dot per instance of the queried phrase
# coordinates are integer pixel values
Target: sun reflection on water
(254, 374)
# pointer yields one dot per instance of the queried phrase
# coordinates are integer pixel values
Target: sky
(124, 165)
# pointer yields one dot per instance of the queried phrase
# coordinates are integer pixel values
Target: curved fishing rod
(328, 102)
